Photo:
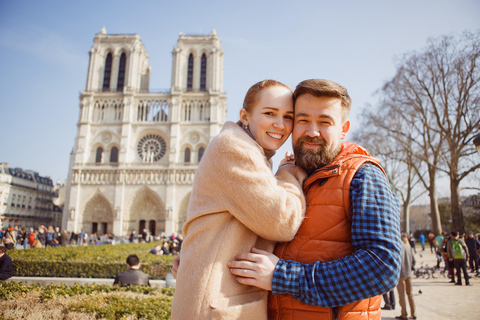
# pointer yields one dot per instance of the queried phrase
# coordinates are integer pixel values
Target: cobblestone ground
(439, 299)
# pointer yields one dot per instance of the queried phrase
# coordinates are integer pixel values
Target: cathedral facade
(136, 151)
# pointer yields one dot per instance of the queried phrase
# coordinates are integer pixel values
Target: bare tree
(388, 136)
(442, 85)
(397, 162)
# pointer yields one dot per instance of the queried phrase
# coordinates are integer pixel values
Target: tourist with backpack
(458, 253)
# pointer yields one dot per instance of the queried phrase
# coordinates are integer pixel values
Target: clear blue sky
(44, 54)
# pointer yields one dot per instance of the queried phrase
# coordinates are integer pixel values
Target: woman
(237, 204)
(9, 239)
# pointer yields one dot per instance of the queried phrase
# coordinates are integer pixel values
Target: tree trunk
(456, 207)
(406, 215)
(435, 213)
(406, 205)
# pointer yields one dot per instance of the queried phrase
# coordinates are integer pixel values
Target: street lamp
(476, 142)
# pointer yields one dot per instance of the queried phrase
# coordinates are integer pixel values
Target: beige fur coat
(236, 204)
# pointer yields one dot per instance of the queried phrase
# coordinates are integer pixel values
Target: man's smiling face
(318, 131)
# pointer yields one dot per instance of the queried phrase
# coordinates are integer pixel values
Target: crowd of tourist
(23, 238)
(459, 254)
(440, 244)
(41, 237)
(15, 237)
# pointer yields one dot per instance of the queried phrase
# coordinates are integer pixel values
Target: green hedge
(103, 261)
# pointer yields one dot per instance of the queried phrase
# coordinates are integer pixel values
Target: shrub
(99, 301)
(114, 307)
(103, 261)
(13, 290)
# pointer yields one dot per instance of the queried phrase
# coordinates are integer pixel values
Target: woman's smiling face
(271, 120)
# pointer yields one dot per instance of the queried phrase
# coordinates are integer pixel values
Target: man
(422, 241)
(405, 282)
(473, 246)
(458, 253)
(131, 238)
(81, 237)
(412, 241)
(432, 242)
(41, 236)
(57, 234)
(133, 275)
(347, 251)
(64, 238)
(389, 298)
(6, 265)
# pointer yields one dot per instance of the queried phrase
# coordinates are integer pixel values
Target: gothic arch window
(107, 72)
(201, 151)
(121, 72)
(203, 73)
(190, 73)
(187, 155)
(99, 156)
(114, 155)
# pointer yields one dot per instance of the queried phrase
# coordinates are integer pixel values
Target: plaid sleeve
(374, 266)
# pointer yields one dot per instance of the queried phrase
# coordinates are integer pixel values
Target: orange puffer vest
(325, 235)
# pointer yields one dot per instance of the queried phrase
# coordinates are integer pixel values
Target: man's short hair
(325, 88)
(3, 249)
(133, 260)
(454, 233)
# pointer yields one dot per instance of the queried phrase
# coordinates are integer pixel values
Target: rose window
(151, 148)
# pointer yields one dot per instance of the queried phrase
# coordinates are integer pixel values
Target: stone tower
(136, 151)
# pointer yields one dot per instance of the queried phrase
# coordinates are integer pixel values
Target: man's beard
(313, 159)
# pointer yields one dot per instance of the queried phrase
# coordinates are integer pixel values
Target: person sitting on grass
(133, 275)
(157, 250)
(6, 265)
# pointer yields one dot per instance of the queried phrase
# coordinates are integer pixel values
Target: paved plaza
(439, 299)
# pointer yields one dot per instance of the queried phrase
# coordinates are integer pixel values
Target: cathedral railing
(108, 111)
(152, 110)
(133, 176)
(195, 110)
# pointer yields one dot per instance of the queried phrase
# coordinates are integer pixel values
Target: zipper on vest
(325, 168)
(305, 187)
(318, 170)
(335, 312)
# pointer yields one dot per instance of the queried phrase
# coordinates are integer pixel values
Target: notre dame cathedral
(136, 151)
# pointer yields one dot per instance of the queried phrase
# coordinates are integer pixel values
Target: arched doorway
(152, 226)
(98, 215)
(145, 211)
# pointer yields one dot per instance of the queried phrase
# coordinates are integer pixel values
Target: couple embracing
(320, 239)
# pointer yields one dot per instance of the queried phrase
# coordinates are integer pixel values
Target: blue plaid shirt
(374, 266)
